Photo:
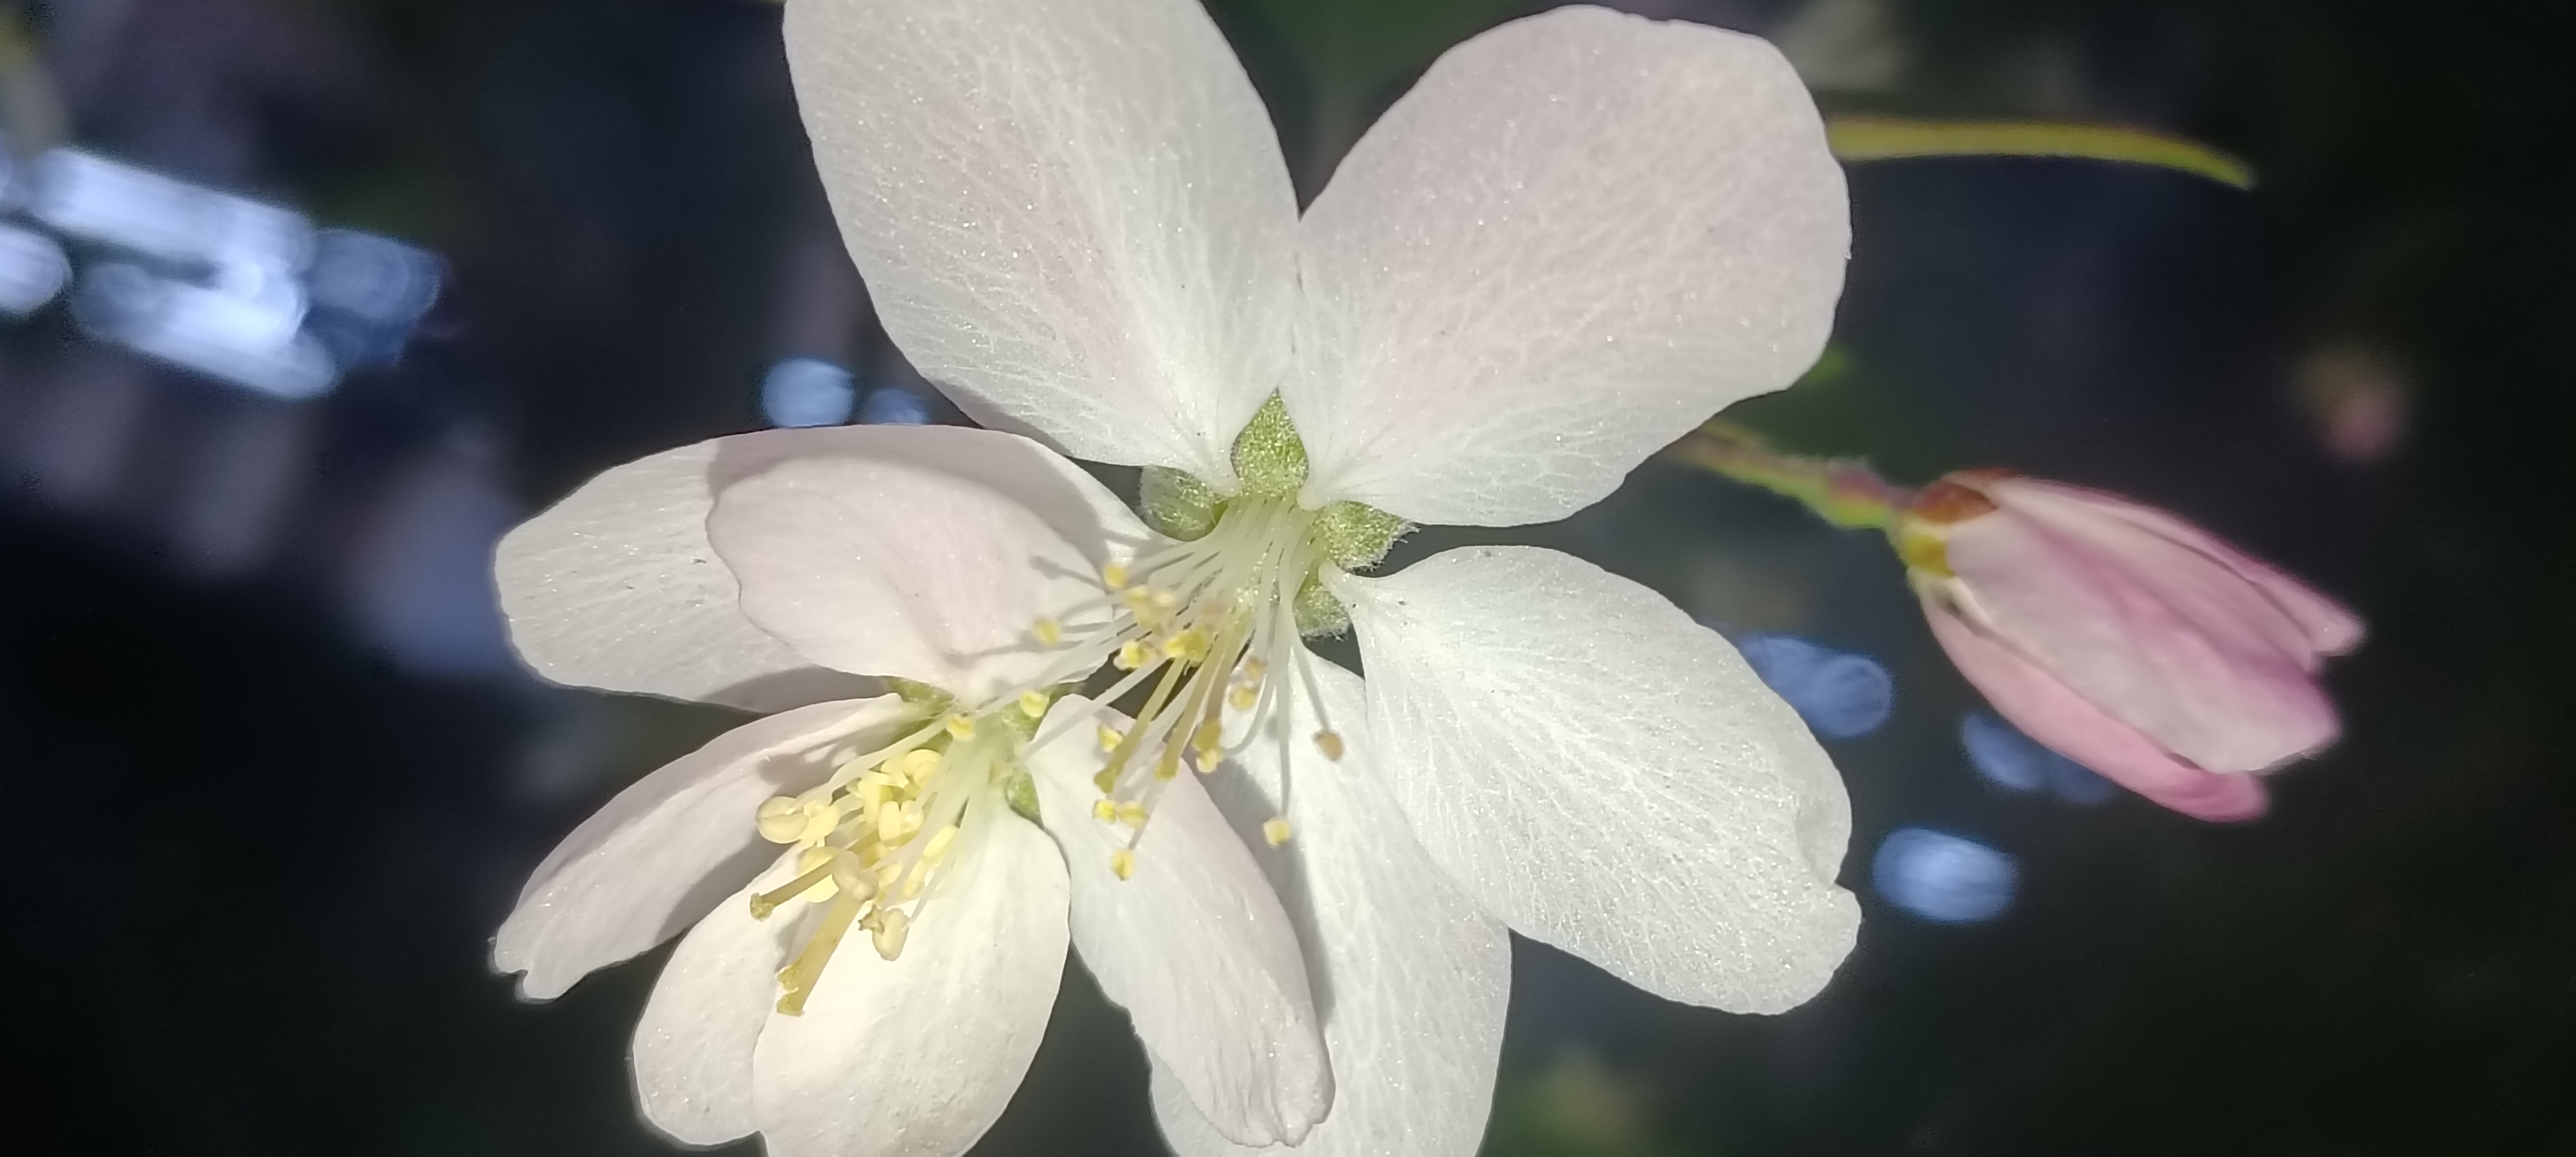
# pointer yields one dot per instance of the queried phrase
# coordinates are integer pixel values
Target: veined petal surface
(928, 556)
(1071, 214)
(1413, 978)
(1607, 776)
(693, 1045)
(651, 862)
(1578, 236)
(917, 1056)
(1193, 944)
(615, 587)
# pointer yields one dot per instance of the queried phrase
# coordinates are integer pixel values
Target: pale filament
(1205, 627)
(875, 835)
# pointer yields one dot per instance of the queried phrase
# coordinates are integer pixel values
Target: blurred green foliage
(1365, 46)
(1575, 1106)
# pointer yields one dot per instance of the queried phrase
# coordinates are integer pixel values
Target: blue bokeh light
(33, 271)
(2008, 759)
(807, 392)
(891, 406)
(1841, 695)
(1943, 878)
(368, 294)
(2078, 784)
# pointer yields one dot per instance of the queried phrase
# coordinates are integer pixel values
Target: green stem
(1842, 491)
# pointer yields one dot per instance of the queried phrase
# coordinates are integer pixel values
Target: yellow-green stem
(1841, 491)
(1872, 138)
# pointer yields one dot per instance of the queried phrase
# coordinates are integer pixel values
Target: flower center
(1212, 622)
(878, 832)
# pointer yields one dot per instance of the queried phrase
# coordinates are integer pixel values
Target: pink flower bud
(2124, 638)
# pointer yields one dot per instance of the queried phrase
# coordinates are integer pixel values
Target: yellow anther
(1048, 631)
(1106, 781)
(1330, 742)
(889, 821)
(1114, 574)
(1166, 600)
(1104, 810)
(888, 931)
(1252, 670)
(938, 846)
(1111, 737)
(1190, 644)
(1243, 696)
(1122, 863)
(781, 819)
(1131, 655)
(1168, 766)
(916, 764)
(853, 877)
(1132, 813)
(1033, 704)
(1275, 830)
(1209, 739)
(821, 816)
(961, 727)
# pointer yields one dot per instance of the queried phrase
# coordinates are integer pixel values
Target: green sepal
(1318, 613)
(1022, 792)
(1176, 503)
(931, 700)
(1269, 460)
(1354, 537)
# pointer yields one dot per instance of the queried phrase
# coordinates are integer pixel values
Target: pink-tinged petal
(1413, 977)
(1578, 236)
(1193, 943)
(693, 1045)
(927, 554)
(1072, 214)
(661, 853)
(2155, 633)
(2047, 711)
(615, 587)
(2329, 627)
(916, 1056)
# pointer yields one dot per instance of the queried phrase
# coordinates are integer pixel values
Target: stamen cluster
(1206, 625)
(875, 834)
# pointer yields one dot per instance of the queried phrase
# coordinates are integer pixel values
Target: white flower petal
(1412, 976)
(1578, 236)
(693, 1045)
(615, 586)
(1071, 214)
(1194, 945)
(928, 555)
(1606, 775)
(651, 862)
(916, 1056)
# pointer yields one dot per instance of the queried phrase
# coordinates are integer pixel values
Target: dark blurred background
(303, 302)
